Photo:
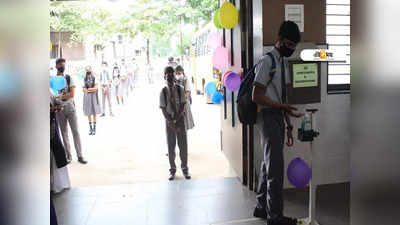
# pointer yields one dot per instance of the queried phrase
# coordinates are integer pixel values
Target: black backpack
(247, 109)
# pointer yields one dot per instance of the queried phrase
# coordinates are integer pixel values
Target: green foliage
(157, 20)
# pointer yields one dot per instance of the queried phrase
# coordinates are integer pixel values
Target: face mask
(286, 52)
(61, 69)
(179, 77)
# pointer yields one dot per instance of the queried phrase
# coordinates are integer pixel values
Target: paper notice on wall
(305, 75)
(295, 13)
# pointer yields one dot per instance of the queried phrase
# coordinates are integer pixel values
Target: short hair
(170, 58)
(60, 60)
(179, 68)
(290, 31)
(168, 69)
(104, 63)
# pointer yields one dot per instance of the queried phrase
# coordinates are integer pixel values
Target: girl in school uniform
(91, 104)
(181, 79)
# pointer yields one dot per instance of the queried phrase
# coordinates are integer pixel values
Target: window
(338, 38)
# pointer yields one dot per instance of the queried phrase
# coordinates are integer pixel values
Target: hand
(296, 114)
(171, 124)
(288, 108)
(289, 141)
(85, 90)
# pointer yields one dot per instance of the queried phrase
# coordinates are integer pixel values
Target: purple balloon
(232, 81)
(299, 173)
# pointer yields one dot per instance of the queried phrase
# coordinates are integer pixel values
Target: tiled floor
(196, 202)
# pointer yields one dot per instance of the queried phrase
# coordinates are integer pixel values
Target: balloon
(228, 15)
(220, 58)
(214, 40)
(299, 173)
(217, 97)
(216, 19)
(224, 75)
(232, 81)
(211, 88)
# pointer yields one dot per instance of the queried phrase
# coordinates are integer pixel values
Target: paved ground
(131, 147)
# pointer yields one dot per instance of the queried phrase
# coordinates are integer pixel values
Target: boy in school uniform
(271, 96)
(172, 104)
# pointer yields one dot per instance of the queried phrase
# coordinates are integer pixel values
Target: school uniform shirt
(104, 78)
(165, 99)
(274, 89)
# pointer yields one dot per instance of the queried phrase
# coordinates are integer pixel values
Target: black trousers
(180, 135)
(269, 192)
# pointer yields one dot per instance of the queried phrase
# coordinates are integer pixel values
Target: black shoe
(171, 176)
(82, 160)
(287, 221)
(260, 213)
(91, 131)
(103, 115)
(187, 176)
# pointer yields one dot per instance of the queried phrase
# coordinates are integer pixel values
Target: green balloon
(217, 22)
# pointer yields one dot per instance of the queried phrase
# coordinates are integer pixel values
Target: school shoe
(171, 176)
(187, 176)
(103, 115)
(283, 221)
(82, 160)
(260, 213)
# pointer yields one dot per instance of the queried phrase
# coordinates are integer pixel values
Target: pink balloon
(214, 40)
(220, 58)
(232, 81)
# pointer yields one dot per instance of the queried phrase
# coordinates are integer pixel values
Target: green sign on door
(305, 75)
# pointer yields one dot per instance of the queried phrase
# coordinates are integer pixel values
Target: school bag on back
(247, 109)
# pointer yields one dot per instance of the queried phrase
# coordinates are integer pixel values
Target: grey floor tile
(126, 213)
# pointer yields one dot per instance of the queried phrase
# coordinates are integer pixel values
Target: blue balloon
(217, 97)
(211, 88)
(298, 172)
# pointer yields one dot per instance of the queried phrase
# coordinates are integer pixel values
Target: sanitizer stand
(308, 136)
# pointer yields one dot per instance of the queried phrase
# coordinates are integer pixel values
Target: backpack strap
(68, 78)
(273, 67)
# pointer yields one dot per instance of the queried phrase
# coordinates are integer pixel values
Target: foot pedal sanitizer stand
(307, 133)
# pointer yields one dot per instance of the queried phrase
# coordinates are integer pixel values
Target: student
(91, 104)
(105, 82)
(182, 80)
(270, 95)
(117, 83)
(171, 62)
(172, 104)
(68, 115)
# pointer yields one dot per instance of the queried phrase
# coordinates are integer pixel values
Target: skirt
(91, 104)
(189, 122)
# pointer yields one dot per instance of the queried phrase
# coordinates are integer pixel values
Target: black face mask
(285, 51)
(61, 69)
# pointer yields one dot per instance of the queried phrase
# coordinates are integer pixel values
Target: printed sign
(305, 75)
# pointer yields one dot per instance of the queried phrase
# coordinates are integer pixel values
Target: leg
(62, 119)
(104, 95)
(183, 147)
(73, 123)
(269, 198)
(171, 141)
(109, 103)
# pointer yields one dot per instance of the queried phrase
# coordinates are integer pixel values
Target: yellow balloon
(229, 16)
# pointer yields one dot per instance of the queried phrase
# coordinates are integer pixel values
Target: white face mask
(179, 77)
